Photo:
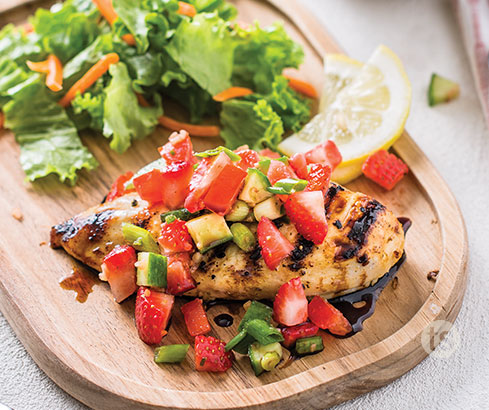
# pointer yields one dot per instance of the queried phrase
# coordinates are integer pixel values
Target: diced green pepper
(257, 310)
(243, 237)
(139, 238)
(182, 214)
(264, 357)
(308, 345)
(287, 186)
(239, 212)
(171, 353)
(151, 270)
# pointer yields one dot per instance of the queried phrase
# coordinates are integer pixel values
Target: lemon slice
(366, 111)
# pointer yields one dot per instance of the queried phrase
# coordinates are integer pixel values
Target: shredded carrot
(28, 28)
(89, 78)
(2, 120)
(196, 130)
(143, 102)
(302, 87)
(232, 92)
(107, 10)
(186, 9)
(54, 70)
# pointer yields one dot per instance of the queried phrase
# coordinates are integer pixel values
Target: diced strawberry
(205, 174)
(277, 171)
(326, 153)
(149, 186)
(178, 148)
(291, 334)
(210, 355)
(298, 163)
(385, 169)
(196, 318)
(153, 311)
(324, 315)
(306, 211)
(249, 158)
(318, 178)
(174, 237)
(224, 190)
(178, 276)
(274, 246)
(269, 153)
(176, 178)
(118, 267)
(290, 304)
(117, 189)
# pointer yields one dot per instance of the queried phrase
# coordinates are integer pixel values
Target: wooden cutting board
(92, 350)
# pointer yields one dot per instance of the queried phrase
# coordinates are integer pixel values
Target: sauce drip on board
(81, 280)
(224, 320)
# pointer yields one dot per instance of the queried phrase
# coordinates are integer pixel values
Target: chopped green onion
(257, 310)
(263, 165)
(243, 237)
(170, 218)
(182, 214)
(139, 238)
(287, 186)
(171, 353)
(263, 332)
(308, 345)
(264, 358)
(216, 151)
(239, 212)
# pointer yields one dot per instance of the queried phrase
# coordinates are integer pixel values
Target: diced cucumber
(264, 358)
(209, 231)
(255, 187)
(309, 345)
(151, 270)
(182, 214)
(271, 208)
(160, 163)
(139, 238)
(442, 90)
(239, 212)
(243, 237)
(171, 353)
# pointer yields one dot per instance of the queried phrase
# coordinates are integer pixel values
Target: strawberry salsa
(212, 197)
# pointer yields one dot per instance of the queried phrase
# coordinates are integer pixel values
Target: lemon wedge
(363, 109)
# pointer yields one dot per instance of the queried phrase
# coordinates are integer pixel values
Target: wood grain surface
(92, 349)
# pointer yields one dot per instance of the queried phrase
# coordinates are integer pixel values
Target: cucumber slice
(139, 238)
(239, 212)
(151, 270)
(209, 231)
(442, 90)
(255, 187)
(271, 208)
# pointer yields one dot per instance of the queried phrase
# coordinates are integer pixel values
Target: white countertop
(426, 37)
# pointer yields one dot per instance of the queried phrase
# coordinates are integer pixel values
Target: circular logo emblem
(436, 332)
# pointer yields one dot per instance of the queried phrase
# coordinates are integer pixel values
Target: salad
(111, 67)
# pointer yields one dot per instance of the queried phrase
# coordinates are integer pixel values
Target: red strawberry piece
(277, 171)
(178, 276)
(318, 177)
(153, 311)
(274, 246)
(178, 148)
(174, 237)
(196, 318)
(117, 189)
(249, 158)
(267, 152)
(210, 355)
(385, 169)
(306, 211)
(290, 304)
(324, 315)
(118, 267)
(291, 334)
(326, 153)
(299, 164)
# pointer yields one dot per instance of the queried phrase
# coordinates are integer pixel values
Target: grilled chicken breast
(364, 240)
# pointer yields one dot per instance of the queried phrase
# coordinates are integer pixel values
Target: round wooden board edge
(321, 386)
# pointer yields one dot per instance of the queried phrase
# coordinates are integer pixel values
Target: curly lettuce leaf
(262, 54)
(247, 122)
(89, 109)
(49, 143)
(17, 46)
(203, 48)
(64, 30)
(124, 118)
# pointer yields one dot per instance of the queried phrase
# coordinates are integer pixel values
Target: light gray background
(426, 37)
